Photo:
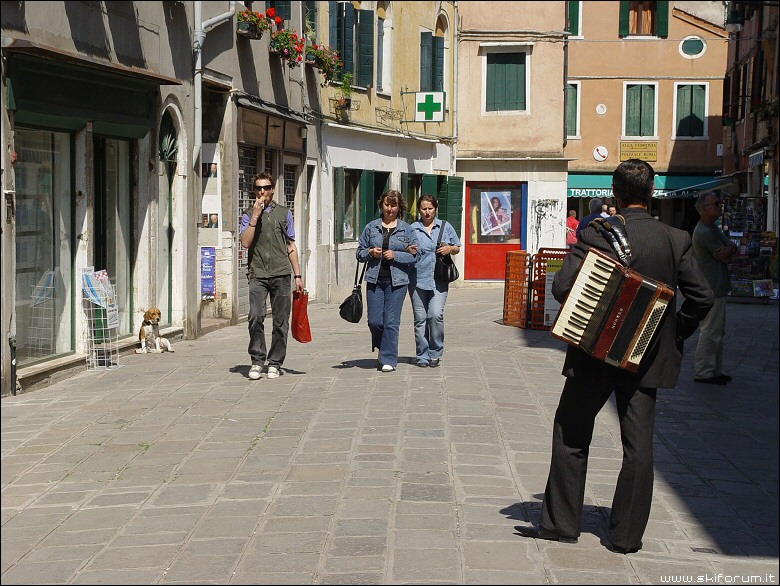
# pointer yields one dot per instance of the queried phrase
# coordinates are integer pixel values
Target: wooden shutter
(662, 14)
(506, 81)
(333, 25)
(633, 110)
(648, 110)
(346, 27)
(454, 186)
(338, 192)
(426, 61)
(571, 110)
(365, 45)
(380, 52)
(574, 17)
(437, 62)
(625, 11)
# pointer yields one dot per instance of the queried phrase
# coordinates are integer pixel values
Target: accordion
(611, 312)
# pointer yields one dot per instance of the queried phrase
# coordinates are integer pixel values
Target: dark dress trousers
(664, 254)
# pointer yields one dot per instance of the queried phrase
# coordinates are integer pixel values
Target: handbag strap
(441, 233)
(363, 272)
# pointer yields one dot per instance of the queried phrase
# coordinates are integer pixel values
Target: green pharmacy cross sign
(429, 107)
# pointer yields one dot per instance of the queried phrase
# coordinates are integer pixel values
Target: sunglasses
(264, 187)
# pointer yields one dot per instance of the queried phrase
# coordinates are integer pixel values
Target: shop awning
(667, 186)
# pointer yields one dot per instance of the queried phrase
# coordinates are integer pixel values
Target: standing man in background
(594, 207)
(571, 228)
(713, 251)
(267, 231)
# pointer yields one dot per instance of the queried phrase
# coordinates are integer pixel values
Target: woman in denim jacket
(383, 245)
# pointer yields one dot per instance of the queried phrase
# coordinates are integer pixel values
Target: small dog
(149, 335)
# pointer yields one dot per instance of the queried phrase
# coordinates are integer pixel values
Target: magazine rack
(101, 320)
(41, 330)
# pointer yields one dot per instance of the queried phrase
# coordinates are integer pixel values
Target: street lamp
(733, 24)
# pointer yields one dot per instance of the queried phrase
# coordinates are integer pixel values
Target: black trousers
(581, 401)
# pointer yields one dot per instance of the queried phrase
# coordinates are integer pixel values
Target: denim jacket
(400, 239)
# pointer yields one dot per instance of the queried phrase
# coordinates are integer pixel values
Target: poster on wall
(496, 212)
(210, 226)
(208, 281)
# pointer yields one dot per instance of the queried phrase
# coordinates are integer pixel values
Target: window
(352, 34)
(310, 19)
(431, 62)
(573, 109)
(644, 18)
(505, 83)
(640, 109)
(356, 192)
(380, 53)
(692, 47)
(574, 24)
(283, 8)
(690, 110)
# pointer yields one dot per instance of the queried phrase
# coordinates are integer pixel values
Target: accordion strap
(613, 229)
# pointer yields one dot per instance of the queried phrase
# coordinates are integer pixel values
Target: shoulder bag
(445, 270)
(351, 309)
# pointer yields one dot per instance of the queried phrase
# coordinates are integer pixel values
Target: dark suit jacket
(661, 253)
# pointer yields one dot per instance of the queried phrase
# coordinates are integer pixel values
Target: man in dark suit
(661, 253)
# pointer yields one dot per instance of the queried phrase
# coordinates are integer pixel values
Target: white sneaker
(273, 372)
(387, 368)
(254, 372)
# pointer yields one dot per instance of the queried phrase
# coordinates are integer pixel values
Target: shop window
(690, 110)
(640, 110)
(356, 192)
(44, 245)
(495, 214)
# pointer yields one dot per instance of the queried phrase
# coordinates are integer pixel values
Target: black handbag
(445, 270)
(351, 309)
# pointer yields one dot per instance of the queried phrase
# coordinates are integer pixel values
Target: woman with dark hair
(383, 245)
(428, 295)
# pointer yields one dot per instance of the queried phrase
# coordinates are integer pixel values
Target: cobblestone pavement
(176, 468)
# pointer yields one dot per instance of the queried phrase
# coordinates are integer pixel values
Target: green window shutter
(365, 45)
(282, 8)
(333, 25)
(346, 42)
(430, 185)
(648, 110)
(690, 110)
(662, 14)
(505, 81)
(574, 17)
(368, 209)
(426, 61)
(437, 61)
(338, 195)
(380, 51)
(633, 110)
(625, 10)
(571, 110)
(454, 186)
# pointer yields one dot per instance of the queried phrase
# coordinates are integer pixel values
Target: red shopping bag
(300, 317)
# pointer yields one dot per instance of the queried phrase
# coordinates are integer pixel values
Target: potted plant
(252, 24)
(326, 60)
(289, 46)
(345, 92)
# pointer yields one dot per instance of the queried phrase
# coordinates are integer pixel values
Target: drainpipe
(201, 29)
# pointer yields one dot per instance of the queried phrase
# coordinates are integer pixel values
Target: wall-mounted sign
(647, 151)
(601, 109)
(429, 107)
(600, 153)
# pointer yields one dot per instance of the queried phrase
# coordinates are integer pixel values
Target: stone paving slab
(178, 469)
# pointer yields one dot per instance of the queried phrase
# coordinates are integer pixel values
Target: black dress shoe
(724, 377)
(714, 380)
(625, 550)
(542, 533)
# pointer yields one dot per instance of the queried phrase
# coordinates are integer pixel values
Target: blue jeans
(385, 304)
(281, 302)
(428, 308)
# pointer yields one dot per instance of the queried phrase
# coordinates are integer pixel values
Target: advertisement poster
(496, 213)
(551, 306)
(210, 226)
(208, 282)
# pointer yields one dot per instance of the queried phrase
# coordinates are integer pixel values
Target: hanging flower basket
(326, 60)
(251, 25)
(289, 46)
(248, 30)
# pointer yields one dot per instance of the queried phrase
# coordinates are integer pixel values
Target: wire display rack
(101, 320)
(41, 331)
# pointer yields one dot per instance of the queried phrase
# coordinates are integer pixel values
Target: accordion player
(611, 312)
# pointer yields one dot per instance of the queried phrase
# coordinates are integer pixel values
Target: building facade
(645, 80)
